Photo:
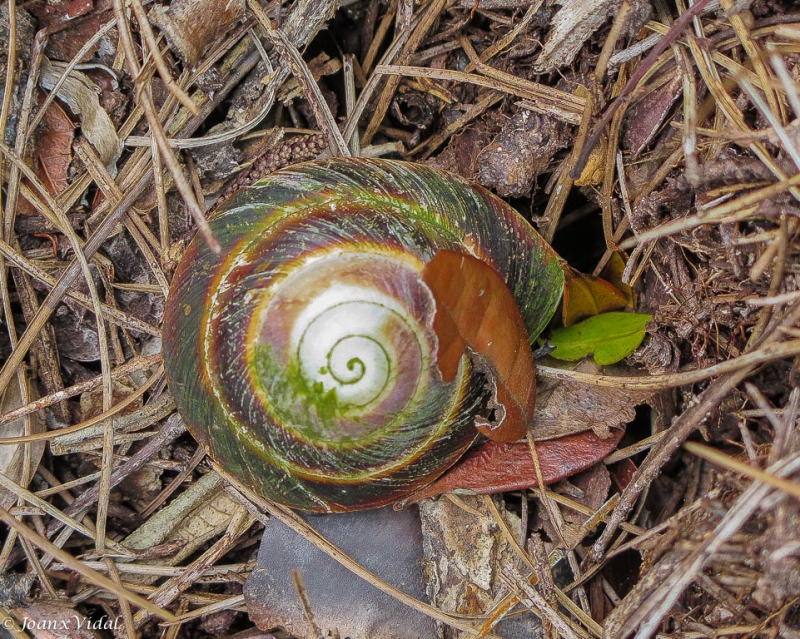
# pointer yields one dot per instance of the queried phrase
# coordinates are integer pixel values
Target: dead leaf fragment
(595, 169)
(189, 36)
(476, 310)
(567, 407)
(53, 152)
(586, 295)
(465, 551)
(81, 95)
(613, 273)
(494, 468)
(644, 119)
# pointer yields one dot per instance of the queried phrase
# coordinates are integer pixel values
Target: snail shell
(303, 356)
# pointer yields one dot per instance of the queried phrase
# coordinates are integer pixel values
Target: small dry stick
(764, 354)
(198, 456)
(107, 412)
(721, 459)
(677, 433)
(73, 564)
(305, 604)
(350, 99)
(292, 58)
(171, 430)
(167, 155)
(150, 39)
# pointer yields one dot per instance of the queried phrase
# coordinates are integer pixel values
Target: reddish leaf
(495, 468)
(54, 153)
(55, 148)
(586, 295)
(622, 473)
(475, 309)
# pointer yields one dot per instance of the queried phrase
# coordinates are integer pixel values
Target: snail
(305, 357)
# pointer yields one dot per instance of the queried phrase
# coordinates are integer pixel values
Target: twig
(666, 594)
(292, 58)
(767, 353)
(73, 564)
(296, 523)
(171, 430)
(680, 430)
(167, 155)
(305, 604)
(150, 39)
(109, 411)
(721, 459)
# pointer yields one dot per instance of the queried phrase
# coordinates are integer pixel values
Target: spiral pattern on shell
(303, 357)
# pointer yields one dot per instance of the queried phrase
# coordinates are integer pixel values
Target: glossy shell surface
(302, 357)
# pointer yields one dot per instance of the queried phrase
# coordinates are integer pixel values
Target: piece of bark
(465, 551)
(576, 22)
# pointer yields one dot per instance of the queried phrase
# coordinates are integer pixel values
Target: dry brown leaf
(566, 407)
(80, 94)
(476, 310)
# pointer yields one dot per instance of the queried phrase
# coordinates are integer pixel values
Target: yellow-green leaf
(613, 272)
(610, 336)
(586, 295)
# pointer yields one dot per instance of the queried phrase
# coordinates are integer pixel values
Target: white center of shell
(340, 339)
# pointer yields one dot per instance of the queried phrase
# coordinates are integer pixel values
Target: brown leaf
(565, 407)
(53, 152)
(622, 473)
(494, 467)
(648, 115)
(586, 295)
(475, 309)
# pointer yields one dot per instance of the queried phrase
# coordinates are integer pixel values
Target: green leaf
(610, 336)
